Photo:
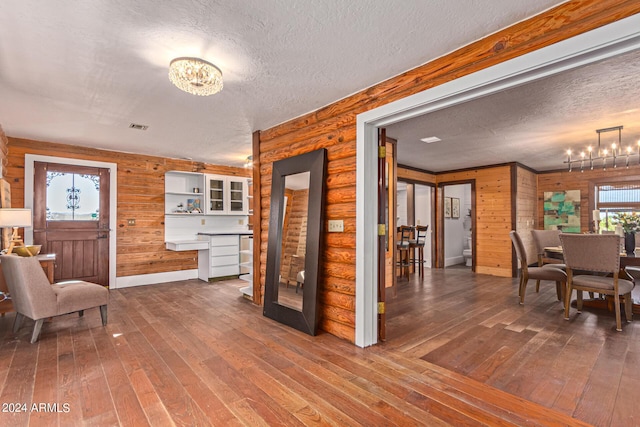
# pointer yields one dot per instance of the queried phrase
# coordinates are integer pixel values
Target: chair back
(545, 238)
(29, 287)
(405, 235)
(521, 252)
(591, 252)
(421, 234)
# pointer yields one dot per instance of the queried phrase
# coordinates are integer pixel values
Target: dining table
(629, 270)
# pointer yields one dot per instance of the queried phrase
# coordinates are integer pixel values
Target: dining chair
(34, 297)
(544, 239)
(538, 273)
(402, 247)
(598, 253)
(418, 245)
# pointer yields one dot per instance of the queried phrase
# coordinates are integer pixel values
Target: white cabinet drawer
(217, 261)
(224, 250)
(225, 240)
(227, 270)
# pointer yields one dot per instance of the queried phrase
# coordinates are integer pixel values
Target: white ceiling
(534, 124)
(79, 72)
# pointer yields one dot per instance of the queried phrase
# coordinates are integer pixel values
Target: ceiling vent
(137, 126)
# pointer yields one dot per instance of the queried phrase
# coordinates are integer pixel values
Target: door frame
(441, 238)
(30, 159)
(601, 43)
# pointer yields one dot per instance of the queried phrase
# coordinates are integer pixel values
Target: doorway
(457, 231)
(71, 219)
(30, 161)
(605, 42)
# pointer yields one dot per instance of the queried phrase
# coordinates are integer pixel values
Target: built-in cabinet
(222, 259)
(183, 193)
(226, 195)
(246, 264)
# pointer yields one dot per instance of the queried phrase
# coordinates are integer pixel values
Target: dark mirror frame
(314, 162)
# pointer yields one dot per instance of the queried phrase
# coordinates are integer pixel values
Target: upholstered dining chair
(536, 273)
(34, 297)
(598, 253)
(544, 239)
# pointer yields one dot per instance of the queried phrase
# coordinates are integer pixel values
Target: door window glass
(72, 197)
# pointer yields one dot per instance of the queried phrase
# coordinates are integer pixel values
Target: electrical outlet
(131, 221)
(202, 221)
(336, 226)
(241, 222)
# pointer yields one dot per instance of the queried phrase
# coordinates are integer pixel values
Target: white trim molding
(604, 42)
(154, 278)
(30, 159)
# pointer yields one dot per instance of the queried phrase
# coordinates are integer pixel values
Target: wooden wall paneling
(526, 202)
(493, 217)
(258, 274)
(333, 127)
(4, 152)
(408, 174)
(139, 248)
(583, 181)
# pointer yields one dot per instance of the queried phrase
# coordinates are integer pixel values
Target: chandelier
(614, 155)
(195, 76)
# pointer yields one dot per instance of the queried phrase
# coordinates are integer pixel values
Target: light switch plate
(336, 226)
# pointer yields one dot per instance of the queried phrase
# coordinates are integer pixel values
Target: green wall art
(562, 211)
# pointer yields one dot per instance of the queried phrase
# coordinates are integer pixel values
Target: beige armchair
(34, 297)
(598, 253)
(536, 273)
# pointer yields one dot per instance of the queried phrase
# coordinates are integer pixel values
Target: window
(612, 198)
(72, 197)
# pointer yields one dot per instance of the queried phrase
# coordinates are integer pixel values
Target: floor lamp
(15, 218)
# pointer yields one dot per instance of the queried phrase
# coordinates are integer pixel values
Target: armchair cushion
(76, 295)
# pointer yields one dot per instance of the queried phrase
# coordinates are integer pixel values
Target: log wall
(333, 128)
(140, 248)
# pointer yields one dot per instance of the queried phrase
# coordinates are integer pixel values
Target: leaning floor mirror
(296, 221)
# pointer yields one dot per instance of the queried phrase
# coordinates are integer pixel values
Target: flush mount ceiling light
(195, 76)
(430, 139)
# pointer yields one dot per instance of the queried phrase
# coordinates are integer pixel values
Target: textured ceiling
(533, 124)
(79, 72)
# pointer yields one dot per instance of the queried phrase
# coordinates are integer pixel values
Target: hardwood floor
(473, 325)
(193, 353)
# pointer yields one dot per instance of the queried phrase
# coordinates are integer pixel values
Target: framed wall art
(447, 207)
(455, 207)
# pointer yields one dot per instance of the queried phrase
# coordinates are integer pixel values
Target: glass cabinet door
(236, 196)
(216, 195)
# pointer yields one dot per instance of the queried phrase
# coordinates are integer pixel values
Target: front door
(71, 219)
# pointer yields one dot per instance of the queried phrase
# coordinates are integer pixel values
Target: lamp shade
(14, 217)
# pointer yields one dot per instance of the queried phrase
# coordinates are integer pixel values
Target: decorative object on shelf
(616, 154)
(194, 206)
(630, 223)
(562, 211)
(30, 250)
(15, 218)
(195, 76)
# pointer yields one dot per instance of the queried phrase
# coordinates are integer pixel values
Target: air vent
(137, 126)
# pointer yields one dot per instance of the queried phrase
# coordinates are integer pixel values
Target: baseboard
(454, 261)
(151, 279)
